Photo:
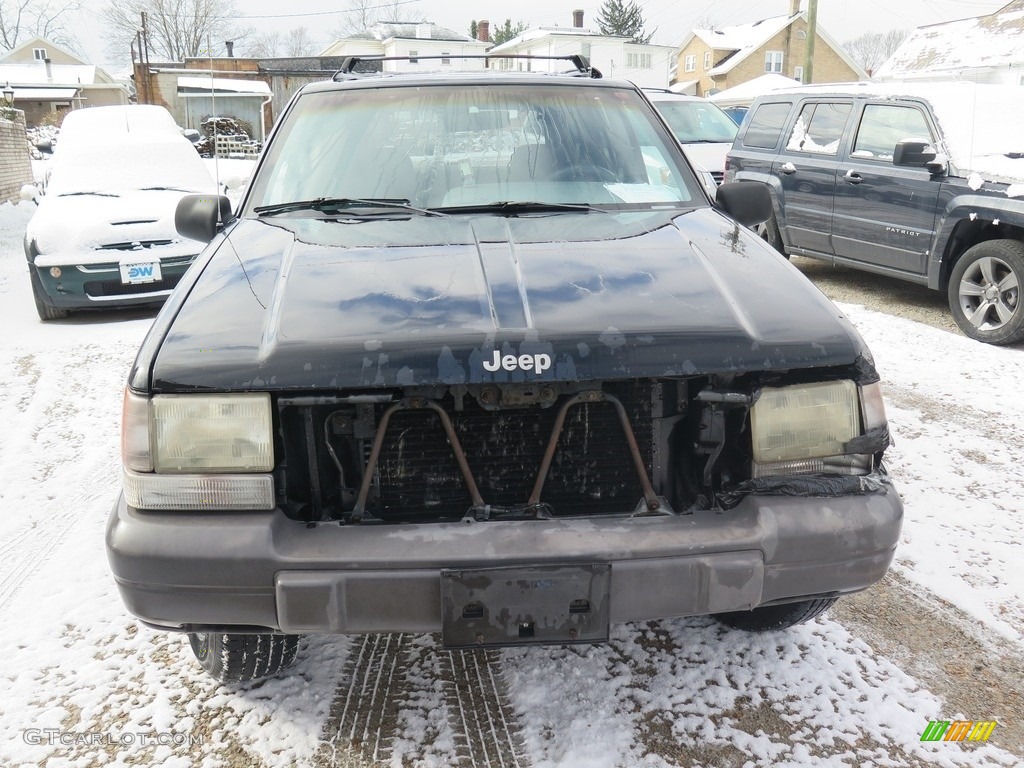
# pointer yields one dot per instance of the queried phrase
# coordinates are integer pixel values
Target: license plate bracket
(526, 605)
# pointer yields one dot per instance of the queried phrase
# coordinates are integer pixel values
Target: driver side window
(885, 125)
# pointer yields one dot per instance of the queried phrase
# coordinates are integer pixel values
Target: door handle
(787, 168)
(853, 177)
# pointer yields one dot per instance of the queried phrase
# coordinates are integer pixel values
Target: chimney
(423, 31)
(577, 19)
(230, 45)
(794, 7)
(483, 31)
(49, 70)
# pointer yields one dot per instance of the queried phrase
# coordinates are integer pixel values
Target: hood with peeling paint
(290, 303)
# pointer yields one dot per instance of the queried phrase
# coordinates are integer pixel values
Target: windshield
(697, 121)
(471, 146)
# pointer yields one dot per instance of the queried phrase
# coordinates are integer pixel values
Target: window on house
(798, 74)
(631, 60)
(707, 59)
(412, 57)
(773, 61)
(39, 54)
(690, 62)
(445, 61)
(645, 60)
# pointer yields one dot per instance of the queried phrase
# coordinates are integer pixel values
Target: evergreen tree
(507, 31)
(473, 29)
(623, 20)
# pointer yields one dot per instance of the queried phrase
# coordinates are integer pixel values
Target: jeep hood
(288, 303)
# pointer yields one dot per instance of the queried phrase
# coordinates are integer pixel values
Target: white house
(984, 49)
(429, 46)
(616, 57)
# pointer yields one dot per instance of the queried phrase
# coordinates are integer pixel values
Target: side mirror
(749, 202)
(30, 193)
(201, 217)
(914, 153)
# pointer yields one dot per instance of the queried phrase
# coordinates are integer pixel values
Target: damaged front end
(660, 446)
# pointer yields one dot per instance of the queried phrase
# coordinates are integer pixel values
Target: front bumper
(261, 570)
(99, 286)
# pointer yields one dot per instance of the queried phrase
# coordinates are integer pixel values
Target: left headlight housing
(198, 451)
(806, 428)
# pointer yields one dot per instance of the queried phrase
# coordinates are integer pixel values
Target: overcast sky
(843, 19)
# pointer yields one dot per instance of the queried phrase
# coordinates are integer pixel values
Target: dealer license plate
(140, 272)
(540, 605)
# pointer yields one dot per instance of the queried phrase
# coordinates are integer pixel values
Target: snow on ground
(75, 662)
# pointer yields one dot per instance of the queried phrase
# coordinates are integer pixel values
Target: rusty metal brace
(595, 396)
(414, 403)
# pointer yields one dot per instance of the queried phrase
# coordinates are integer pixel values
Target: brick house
(713, 60)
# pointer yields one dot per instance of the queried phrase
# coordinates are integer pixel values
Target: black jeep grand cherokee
(476, 355)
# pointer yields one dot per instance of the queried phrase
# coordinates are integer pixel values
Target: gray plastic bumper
(260, 569)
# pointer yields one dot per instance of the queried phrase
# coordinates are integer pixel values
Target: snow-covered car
(477, 354)
(103, 235)
(704, 130)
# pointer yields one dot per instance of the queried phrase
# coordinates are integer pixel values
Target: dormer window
(39, 54)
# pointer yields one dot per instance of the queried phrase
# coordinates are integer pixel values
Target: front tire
(984, 292)
(776, 616)
(243, 658)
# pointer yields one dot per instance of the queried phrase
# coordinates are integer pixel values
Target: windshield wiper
(93, 194)
(342, 203)
(515, 208)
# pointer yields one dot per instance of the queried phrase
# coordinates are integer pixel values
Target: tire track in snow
(404, 700)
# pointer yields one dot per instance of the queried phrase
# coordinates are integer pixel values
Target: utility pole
(812, 32)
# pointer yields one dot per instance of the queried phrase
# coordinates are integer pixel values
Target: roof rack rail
(348, 71)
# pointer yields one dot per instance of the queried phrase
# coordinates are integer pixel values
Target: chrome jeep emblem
(536, 363)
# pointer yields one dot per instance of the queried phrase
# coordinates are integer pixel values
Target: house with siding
(983, 49)
(48, 80)
(428, 46)
(712, 60)
(616, 57)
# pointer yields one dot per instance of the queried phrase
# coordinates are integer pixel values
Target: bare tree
(21, 19)
(266, 45)
(361, 15)
(298, 43)
(175, 29)
(872, 49)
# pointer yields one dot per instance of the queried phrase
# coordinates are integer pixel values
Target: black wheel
(43, 309)
(769, 232)
(241, 658)
(776, 616)
(984, 292)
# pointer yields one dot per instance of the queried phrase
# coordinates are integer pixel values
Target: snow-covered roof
(742, 36)
(60, 74)
(401, 31)
(204, 85)
(984, 41)
(745, 93)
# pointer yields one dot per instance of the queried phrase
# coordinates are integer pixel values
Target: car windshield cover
(471, 146)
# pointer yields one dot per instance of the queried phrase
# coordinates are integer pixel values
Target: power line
(332, 13)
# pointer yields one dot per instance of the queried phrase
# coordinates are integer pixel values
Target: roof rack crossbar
(580, 62)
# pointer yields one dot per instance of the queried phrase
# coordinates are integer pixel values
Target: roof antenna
(213, 107)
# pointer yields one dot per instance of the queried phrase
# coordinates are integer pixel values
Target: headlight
(207, 451)
(212, 433)
(804, 428)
